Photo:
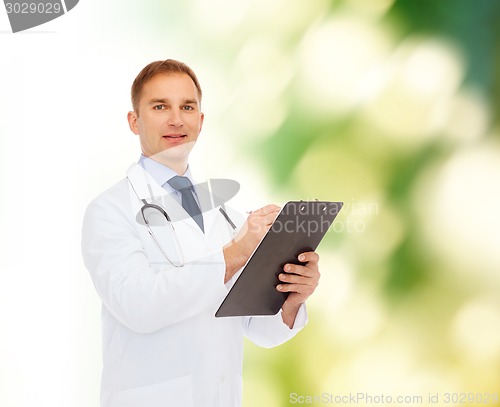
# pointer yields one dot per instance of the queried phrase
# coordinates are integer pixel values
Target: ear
(202, 116)
(132, 122)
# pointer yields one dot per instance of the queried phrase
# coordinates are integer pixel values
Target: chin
(177, 152)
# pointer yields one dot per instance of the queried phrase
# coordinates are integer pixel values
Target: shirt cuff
(300, 319)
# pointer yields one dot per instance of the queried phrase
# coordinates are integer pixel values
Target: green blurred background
(393, 108)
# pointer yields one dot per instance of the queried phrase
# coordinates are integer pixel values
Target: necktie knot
(179, 183)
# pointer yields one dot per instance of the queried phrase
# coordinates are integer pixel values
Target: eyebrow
(153, 101)
(161, 100)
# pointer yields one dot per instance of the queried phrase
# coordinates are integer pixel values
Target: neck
(180, 167)
(177, 163)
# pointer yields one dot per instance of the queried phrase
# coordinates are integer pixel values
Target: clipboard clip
(322, 208)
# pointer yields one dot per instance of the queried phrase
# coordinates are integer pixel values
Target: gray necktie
(184, 186)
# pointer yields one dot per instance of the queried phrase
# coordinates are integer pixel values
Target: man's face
(169, 119)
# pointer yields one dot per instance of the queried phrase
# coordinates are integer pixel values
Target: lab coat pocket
(176, 392)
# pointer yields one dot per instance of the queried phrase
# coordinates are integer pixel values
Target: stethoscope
(146, 210)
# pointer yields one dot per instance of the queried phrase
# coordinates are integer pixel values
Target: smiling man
(161, 265)
(167, 114)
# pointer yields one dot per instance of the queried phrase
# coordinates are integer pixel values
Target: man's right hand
(240, 249)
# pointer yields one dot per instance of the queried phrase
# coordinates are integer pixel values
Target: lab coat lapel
(210, 212)
(145, 187)
(143, 184)
(213, 194)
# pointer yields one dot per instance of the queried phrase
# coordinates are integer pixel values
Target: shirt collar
(161, 173)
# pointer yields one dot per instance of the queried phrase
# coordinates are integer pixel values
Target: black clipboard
(298, 228)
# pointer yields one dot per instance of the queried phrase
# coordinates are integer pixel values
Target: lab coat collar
(143, 184)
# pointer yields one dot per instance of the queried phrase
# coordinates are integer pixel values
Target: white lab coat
(162, 345)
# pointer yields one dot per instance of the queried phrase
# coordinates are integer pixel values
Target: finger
(270, 217)
(300, 289)
(300, 270)
(268, 209)
(308, 257)
(295, 279)
(261, 224)
(262, 221)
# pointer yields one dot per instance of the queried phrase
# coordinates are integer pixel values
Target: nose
(174, 118)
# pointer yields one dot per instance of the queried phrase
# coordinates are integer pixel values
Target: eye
(187, 107)
(159, 107)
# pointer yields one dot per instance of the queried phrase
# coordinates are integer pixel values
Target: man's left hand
(300, 282)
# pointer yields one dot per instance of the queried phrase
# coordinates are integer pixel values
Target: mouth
(174, 136)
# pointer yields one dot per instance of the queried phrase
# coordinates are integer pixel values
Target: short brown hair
(169, 66)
